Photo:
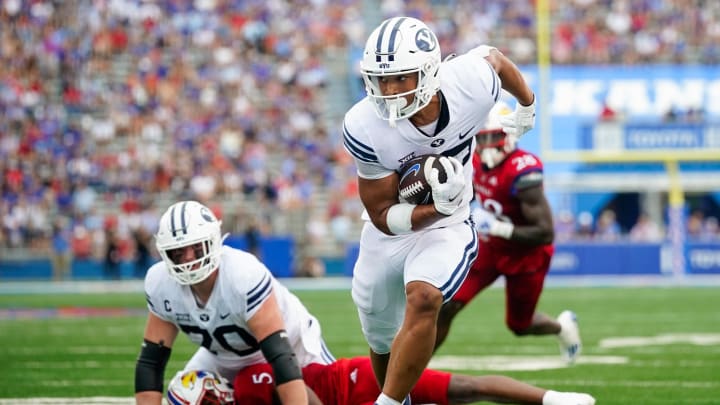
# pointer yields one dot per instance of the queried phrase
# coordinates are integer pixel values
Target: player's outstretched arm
(312, 398)
(512, 79)
(268, 328)
(465, 389)
(522, 119)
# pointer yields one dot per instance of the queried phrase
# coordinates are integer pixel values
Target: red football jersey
(346, 382)
(496, 190)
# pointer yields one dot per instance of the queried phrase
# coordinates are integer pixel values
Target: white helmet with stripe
(401, 45)
(189, 223)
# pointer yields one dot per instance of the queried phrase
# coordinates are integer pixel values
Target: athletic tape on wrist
(399, 218)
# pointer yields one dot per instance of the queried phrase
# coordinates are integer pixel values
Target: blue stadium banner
(642, 95)
(702, 258)
(636, 259)
(594, 258)
(649, 136)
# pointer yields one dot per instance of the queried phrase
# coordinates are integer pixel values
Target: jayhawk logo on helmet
(197, 387)
(188, 380)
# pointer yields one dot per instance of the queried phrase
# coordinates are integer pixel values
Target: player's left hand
(447, 196)
(519, 121)
(487, 224)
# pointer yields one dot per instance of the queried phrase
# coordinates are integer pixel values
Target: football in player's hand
(413, 187)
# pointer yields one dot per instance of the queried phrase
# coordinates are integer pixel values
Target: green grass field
(675, 358)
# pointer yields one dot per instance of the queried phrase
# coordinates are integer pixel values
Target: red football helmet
(493, 144)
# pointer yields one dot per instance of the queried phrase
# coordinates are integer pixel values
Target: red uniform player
(514, 220)
(352, 382)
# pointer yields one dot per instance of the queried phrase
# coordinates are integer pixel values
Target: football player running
(228, 303)
(351, 382)
(415, 257)
(514, 221)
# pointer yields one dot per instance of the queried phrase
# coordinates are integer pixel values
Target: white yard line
(515, 363)
(628, 383)
(343, 283)
(698, 339)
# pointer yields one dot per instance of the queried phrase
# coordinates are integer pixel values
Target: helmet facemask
(194, 271)
(494, 146)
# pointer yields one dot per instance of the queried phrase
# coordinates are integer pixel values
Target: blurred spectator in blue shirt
(607, 228)
(61, 256)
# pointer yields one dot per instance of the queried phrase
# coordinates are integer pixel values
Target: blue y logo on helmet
(425, 40)
(205, 213)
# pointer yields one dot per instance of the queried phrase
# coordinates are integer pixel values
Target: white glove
(487, 224)
(447, 196)
(519, 121)
(564, 398)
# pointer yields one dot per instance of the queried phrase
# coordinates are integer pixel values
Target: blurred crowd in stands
(582, 31)
(111, 109)
(605, 228)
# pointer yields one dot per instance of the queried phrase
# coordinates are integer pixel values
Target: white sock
(385, 400)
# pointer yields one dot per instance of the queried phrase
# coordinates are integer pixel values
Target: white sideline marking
(698, 339)
(631, 383)
(11, 287)
(516, 363)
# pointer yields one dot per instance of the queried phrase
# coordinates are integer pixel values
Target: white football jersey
(469, 88)
(242, 285)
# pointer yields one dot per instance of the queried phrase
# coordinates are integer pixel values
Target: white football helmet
(199, 388)
(493, 144)
(188, 223)
(401, 45)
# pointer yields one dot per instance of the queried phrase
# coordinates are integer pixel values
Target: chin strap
(392, 115)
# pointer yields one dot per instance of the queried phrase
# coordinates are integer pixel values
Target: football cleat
(569, 336)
